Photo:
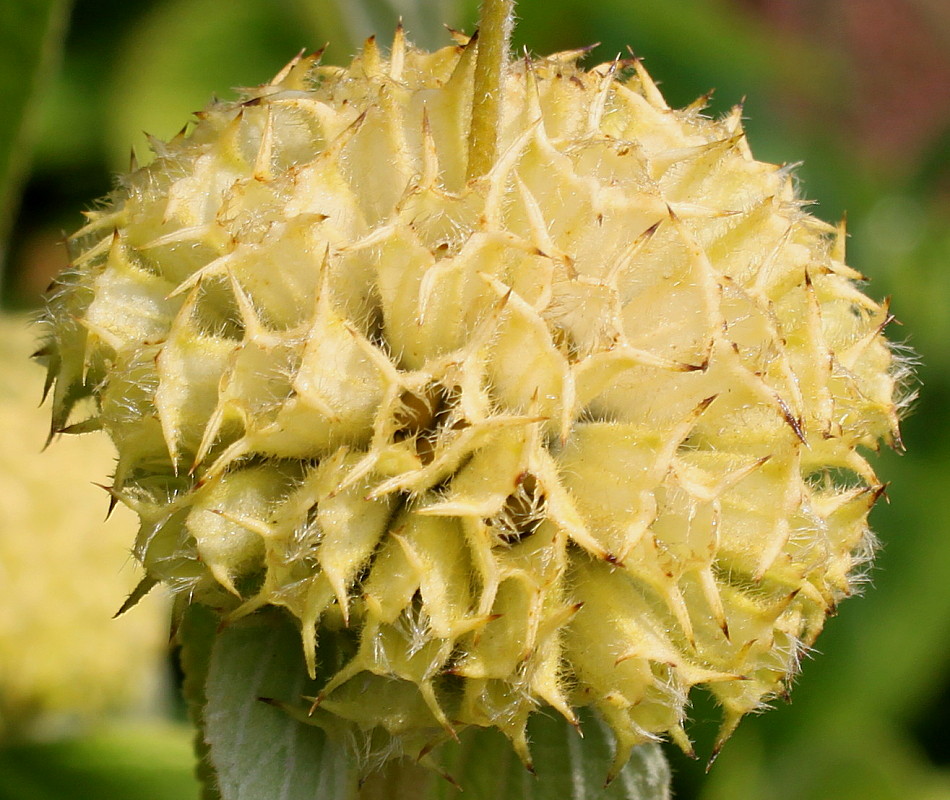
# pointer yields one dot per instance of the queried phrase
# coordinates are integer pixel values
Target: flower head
(584, 430)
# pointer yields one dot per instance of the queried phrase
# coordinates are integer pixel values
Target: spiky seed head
(585, 430)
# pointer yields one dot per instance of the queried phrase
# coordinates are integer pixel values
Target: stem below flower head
(494, 34)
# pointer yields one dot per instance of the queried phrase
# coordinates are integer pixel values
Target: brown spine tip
(461, 39)
(316, 703)
(113, 497)
(684, 367)
(877, 492)
(701, 102)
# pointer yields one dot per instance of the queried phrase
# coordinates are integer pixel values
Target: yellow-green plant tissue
(585, 430)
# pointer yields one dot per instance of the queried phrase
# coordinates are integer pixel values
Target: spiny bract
(583, 431)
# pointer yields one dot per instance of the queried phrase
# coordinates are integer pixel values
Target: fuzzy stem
(491, 60)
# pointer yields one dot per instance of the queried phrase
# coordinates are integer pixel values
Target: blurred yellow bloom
(63, 570)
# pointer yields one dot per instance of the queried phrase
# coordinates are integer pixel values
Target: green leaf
(259, 750)
(568, 766)
(197, 634)
(262, 750)
(31, 34)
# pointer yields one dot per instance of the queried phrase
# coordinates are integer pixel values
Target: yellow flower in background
(63, 572)
(583, 431)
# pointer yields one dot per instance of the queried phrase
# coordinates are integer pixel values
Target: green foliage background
(79, 84)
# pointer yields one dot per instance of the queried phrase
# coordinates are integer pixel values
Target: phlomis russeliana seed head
(585, 430)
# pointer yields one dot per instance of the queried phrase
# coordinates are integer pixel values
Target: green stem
(494, 34)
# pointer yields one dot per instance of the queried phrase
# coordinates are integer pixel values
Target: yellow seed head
(584, 430)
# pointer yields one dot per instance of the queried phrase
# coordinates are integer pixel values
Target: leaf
(568, 766)
(31, 35)
(484, 766)
(197, 634)
(259, 750)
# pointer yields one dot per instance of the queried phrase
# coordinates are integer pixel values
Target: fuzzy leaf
(568, 766)
(258, 750)
(197, 634)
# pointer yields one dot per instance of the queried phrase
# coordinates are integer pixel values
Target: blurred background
(859, 93)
